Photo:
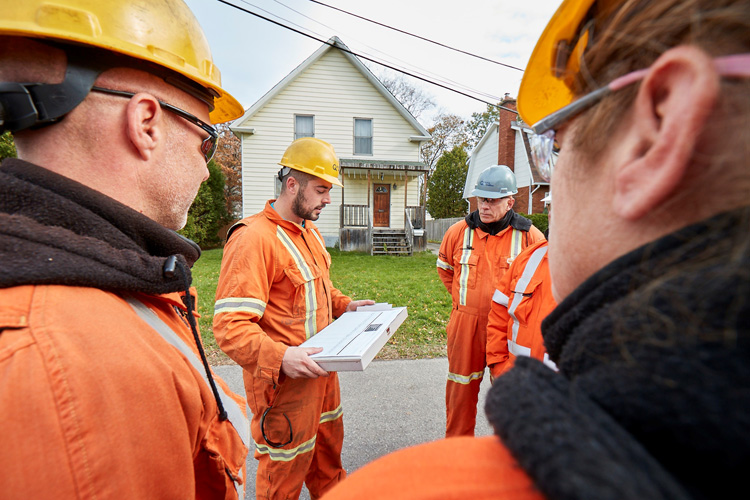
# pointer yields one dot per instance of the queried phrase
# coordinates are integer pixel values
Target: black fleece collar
(54, 230)
(509, 219)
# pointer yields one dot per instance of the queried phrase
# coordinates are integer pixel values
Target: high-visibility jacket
(64, 354)
(522, 299)
(459, 467)
(274, 292)
(469, 263)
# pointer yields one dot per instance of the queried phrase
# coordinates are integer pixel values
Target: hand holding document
(353, 340)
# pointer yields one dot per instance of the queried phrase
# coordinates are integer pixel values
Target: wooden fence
(436, 228)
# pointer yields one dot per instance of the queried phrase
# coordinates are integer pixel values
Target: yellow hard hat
(163, 32)
(313, 156)
(548, 77)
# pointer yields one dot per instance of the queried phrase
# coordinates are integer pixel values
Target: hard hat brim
(542, 92)
(490, 194)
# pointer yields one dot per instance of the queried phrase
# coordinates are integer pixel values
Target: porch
(357, 233)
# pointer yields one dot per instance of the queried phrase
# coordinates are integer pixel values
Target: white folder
(353, 340)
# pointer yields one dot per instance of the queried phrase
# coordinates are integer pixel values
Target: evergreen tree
(209, 210)
(446, 187)
(7, 146)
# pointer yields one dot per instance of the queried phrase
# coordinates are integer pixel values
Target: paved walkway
(391, 405)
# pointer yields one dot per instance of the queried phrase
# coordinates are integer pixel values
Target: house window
(362, 136)
(304, 126)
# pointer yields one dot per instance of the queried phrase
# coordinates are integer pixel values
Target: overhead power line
(412, 67)
(417, 36)
(380, 63)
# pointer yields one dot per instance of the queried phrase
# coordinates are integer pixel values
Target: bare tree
(448, 132)
(229, 157)
(414, 99)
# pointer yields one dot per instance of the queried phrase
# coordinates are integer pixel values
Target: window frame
(355, 136)
(303, 115)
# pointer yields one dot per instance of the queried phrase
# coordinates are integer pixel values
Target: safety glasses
(208, 147)
(543, 143)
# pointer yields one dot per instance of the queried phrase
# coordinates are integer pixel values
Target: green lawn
(401, 281)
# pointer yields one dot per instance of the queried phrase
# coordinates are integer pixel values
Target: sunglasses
(543, 143)
(208, 147)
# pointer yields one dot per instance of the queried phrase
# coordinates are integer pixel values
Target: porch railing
(355, 216)
(417, 216)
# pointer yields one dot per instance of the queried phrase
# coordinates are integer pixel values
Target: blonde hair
(631, 34)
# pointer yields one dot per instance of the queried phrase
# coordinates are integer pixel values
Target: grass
(401, 281)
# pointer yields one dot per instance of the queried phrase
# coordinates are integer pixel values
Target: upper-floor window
(304, 126)
(362, 136)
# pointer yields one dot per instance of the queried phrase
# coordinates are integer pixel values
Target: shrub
(209, 212)
(541, 221)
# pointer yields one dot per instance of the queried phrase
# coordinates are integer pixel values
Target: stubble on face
(301, 208)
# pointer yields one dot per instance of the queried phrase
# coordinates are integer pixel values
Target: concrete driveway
(391, 405)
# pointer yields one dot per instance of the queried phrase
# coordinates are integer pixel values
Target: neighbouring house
(507, 143)
(334, 97)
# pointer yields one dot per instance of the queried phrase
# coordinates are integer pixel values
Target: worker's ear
(670, 111)
(145, 124)
(292, 185)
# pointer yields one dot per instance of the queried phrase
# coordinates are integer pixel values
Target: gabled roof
(474, 170)
(334, 43)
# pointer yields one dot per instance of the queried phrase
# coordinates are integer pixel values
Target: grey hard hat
(497, 181)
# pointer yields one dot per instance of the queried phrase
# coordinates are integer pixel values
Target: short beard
(298, 207)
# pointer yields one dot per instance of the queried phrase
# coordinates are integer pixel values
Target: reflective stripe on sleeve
(311, 301)
(500, 298)
(240, 304)
(522, 284)
(234, 413)
(463, 379)
(328, 416)
(444, 265)
(465, 255)
(518, 349)
(278, 455)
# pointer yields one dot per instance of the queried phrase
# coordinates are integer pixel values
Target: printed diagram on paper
(353, 340)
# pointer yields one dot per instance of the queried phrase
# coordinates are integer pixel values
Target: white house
(334, 97)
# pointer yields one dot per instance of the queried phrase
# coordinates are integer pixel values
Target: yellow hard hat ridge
(165, 33)
(313, 156)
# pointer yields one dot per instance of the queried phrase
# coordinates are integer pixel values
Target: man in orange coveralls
(274, 292)
(106, 392)
(474, 255)
(522, 299)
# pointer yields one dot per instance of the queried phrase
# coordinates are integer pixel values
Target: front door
(382, 206)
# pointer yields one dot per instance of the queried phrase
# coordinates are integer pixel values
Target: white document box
(353, 340)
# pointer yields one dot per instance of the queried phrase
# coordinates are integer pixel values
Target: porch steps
(390, 242)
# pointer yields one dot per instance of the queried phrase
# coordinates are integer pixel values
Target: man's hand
(296, 363)
(354, 304)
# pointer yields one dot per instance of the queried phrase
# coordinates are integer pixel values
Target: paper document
(353, 340)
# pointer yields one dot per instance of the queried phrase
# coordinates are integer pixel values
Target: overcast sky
(253, 54)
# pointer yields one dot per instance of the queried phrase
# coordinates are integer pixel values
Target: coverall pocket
(225, 459)
(304, 301)
(523, 304)
(468, 270)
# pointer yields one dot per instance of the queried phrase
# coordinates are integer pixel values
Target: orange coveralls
(460, 467)
(523, 298)
(274, 292)
(65, 353)
(470, 262)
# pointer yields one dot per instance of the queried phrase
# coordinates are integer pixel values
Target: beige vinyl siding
(334, 92)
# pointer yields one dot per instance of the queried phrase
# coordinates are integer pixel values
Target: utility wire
(416, 69)
(225, 2)
(416, 36)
